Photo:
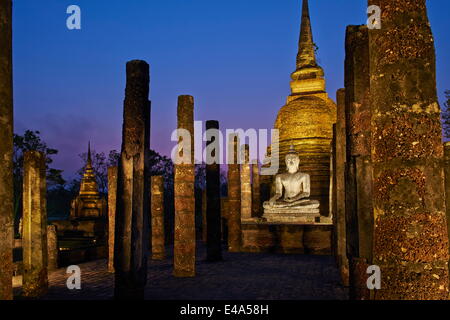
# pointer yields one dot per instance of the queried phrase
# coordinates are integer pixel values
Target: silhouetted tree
(29, 141)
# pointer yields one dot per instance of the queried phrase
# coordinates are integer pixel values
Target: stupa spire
(88, 186)
(89, 159)
(306, 56)
(308, 75)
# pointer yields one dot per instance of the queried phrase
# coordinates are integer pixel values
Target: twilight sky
(233, 56)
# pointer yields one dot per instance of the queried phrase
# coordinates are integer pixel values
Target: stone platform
(295, 238)
(290, 215)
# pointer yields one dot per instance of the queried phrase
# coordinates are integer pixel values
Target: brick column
(256, 198)
(224, 213)
(246, 185)
(112, 200)
(132, 225)
(6, 152)
(339, 185)
(447, 186)
(234, 198)
(410, 235)
(157, 215)
(204, 223)
(213, 205)
(184, 244)
(35, 253)
(358, 186)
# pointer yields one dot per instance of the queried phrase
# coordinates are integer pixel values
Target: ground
(247, 276)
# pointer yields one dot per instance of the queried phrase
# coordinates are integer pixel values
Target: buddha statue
(292, 191)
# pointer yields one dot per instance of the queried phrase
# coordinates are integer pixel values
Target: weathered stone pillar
(447, 186)
(112, 200)
(410, 235)
(234, 197)
(184, 242)
(358, 186)
(224, 213)
(52, 248)
(246, 184)
(213, 205)
(256, 198)
(6, 151)
(333, 202)
(35, 253)
(204, 222)
(157, 204)
(132, 225)
(339, 185)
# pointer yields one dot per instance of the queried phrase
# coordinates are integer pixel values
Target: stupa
(296, 215)
(88, 204)
(306, 121)
(83, 236)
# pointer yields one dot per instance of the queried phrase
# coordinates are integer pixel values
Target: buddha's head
(292, 160)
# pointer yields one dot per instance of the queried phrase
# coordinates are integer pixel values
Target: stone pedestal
(157, 203)
(35, 253)
(291, 215)
(6, 152)
(184, 241)
(112, 200)
(259, 236)
(131, 247)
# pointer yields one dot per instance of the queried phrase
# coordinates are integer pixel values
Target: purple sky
(233, 56)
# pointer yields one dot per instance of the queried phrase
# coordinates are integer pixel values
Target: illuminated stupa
(82, 237)
(306, 121)
(88, 204)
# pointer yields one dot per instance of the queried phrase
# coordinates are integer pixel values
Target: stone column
(410, 235)
(132, 226)
(35, 253)
(112, 200)
(256, 198)
(52, 248)
(6, 151)
(213, 205)
(234, 197)
(447, 186)
(246, 185)
(358, 186)
(333, 192)
(339, 185)
(224, 213)
(184, 242)
(157, 216)
(204, 223)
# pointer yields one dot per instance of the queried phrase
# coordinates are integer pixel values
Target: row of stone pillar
(184, 242)
(129, 232)
(388, 166)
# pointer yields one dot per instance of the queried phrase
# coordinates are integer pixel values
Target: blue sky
(233, 56)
